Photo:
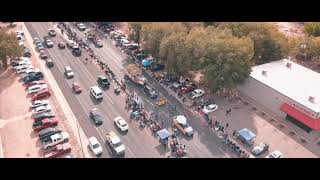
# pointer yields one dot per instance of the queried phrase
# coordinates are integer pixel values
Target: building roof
(296, 82)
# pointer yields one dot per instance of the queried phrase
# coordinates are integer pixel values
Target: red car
(43, 54)
(45, 123)
(29, 84)
(188, 88)
(45, 93)
(76, 87)
(58, 150)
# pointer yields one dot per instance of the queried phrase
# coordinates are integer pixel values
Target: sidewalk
(70, 119)
(1, 149)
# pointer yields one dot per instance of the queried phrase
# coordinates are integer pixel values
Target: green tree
(135, 28)
(152, 34)
(9, 47)
(312, 28)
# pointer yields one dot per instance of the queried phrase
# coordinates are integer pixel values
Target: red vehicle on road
(76, 87)
(45, 123)
(58, 150)
(40, 82)
(45, 93)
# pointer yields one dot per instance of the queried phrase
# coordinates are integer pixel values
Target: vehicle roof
(76, 84)
(181, 119)
(95, 111)
(102, 77)
(67, 68)
(120, 120)
(96, 88)
(114, 138)
(199, 90)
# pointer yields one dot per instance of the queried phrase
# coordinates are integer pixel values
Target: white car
(115, 143)
(41, 109)
(49, 43)
(36, 88)
(38, 103)
(275, 154)
(260, 149)
(210, 108)
(81, 26)
(21, 43)
(23, 68)
(95, 146)
(21, 33)
(197, 93)
(28, 72)
(20, 38)
(69, 72)
(121, 123)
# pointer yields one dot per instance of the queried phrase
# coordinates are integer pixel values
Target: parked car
(121, 124)
(196, 93)
(45, 123)
(33, 77)
(26, 52)
(76, 87)
(54, 140)
(39, 46)
(23, 68)
(51, 32)
(41, 116)
(275, 154)
(43, 54)
(38, 103)
(36, 40)
(95, 146)
(61, 45)
(49, 63)
(47, 132)
(70, 156)
(96, 116)
(181, 123)
(29, 84)
(41, 109)
(257, 150)
(151, 92)
(157, 67)
(48, 42)
(36, 88)
(115, 142)
(99, 43)
(210, 108)
(58, 150)
(103, 81)
(28, 73)
(81, 26)
(188, 88)
(68, 71)
(45, 93)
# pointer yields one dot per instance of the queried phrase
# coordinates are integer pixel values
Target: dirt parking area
(18, 138)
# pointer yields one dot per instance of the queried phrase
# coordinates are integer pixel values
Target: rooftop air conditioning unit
(264, 72)
(288, 65)
(311, 99)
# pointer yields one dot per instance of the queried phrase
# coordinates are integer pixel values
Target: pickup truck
(58, 150)
(134, 74)
(115, 143)
(54, 140)
(38, 126)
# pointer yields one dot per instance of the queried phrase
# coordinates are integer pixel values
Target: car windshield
(97, 116)
(124, 125)
(95, 146)
(184, 126)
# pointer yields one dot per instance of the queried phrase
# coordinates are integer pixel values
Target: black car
(33, 77)
(44, 115)
(76, 50)
(157, 67)
(49, 63)
(103, 81)
(26, 52)
(47, 132)
(96, 116)
(151, 92)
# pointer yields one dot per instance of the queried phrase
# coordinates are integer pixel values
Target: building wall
(264, 95)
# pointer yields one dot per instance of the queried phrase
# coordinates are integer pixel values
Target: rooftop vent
(311, 99)
(264, 72)
(288, 65)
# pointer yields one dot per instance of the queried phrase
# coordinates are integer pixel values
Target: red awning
(314, 124)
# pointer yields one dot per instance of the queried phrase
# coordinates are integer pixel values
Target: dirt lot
(18, 138)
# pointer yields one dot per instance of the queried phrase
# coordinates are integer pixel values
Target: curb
(1, 149)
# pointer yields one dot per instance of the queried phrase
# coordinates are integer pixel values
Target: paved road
(139, 142)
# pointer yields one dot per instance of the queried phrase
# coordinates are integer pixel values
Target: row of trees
(9, 47)
(224, 52)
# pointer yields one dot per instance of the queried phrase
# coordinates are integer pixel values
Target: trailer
(134, 73)
(54, 140)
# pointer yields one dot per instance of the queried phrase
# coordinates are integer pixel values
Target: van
(96, 92)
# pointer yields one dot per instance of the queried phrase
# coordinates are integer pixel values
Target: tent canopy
(146, 62)
(163, 133)
(246, 134)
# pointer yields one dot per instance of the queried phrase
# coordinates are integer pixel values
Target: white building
(288, 89)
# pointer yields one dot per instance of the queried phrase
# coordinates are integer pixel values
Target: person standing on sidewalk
(227, 125)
